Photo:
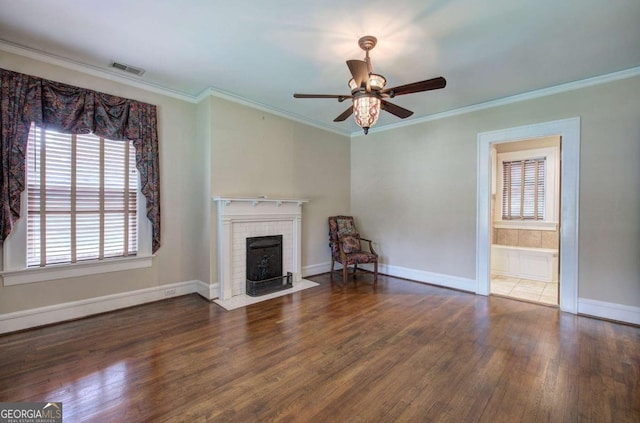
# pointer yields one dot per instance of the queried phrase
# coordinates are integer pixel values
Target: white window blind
(82, 194)
(523, 189)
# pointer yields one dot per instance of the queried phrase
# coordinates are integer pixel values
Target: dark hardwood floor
(400, 352)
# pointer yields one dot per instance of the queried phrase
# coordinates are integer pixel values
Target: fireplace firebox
(264, 266)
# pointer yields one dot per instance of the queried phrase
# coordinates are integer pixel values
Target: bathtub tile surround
(526, 238)
(506, 236)
(549, 239)
(525, 254)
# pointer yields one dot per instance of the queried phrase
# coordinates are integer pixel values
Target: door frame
(569, 131)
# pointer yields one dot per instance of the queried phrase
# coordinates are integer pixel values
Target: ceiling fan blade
(360, 71)
(340, 97)
(416, 87)
(344, 114)
(394, 109)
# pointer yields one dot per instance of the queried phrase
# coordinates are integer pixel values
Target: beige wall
(414, 188)
(182, 169)
(256, 153)
(212, 148)
(202, 238)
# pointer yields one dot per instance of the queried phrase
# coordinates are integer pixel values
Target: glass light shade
(377, 82)
(366, 109)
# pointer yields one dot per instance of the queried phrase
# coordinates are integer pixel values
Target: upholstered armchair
(346, 247)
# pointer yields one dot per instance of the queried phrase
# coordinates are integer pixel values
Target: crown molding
(148, 86)
(562, 88)
(92, 70)
(225, 95)
(215, 92)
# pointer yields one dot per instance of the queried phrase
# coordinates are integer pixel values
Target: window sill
(63, 271)
(530, 225)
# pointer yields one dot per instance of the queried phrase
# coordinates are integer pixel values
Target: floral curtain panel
(65, 108)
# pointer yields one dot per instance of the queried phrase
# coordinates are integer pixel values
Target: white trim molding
(556, 89)
(208, 291)
(19, 320)
(447, 281)
(610, 311)
(216, 92)
(532, 225)
(105, 73)
(72, 270)
(569, 131)
(416, 275)
(316, 269)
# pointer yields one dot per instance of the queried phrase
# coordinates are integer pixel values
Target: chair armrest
(370, 246)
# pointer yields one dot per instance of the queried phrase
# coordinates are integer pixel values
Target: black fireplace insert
(264, 266)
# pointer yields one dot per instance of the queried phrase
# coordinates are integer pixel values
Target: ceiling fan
(369, 93)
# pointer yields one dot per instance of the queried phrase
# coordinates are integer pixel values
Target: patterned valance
(73, 110)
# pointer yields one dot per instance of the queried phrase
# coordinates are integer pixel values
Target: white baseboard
(10, 322)
(25, 319)
(611, 311)
(209, 292)
(316, 269)
(448, 281)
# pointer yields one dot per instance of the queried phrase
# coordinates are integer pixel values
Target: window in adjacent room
(82, 198)
(523, 189)
(527, 188)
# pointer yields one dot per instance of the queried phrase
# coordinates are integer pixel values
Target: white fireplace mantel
(240, 218)
(255, 201)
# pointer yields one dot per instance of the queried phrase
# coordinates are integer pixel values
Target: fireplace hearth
(264, 266)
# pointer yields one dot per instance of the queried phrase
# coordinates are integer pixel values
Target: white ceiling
(264, 51)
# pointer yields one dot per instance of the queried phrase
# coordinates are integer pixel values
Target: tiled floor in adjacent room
(525, 289)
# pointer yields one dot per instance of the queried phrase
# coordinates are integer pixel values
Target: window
(523, 189)
(81, 198)
(82, 210)
(64, 208)
(526, 188)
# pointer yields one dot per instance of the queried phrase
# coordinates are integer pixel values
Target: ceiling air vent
(127, 68)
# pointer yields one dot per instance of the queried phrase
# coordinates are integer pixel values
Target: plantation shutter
(82, 198)
(523, 195)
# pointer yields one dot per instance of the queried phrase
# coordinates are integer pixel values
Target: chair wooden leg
(355, 269)
(375, 273)
(333, 262)
(344, 274)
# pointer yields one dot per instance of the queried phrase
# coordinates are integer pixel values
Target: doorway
(569, 132)
(525, 218)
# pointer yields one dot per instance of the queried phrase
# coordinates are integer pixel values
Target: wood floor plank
(396, 352)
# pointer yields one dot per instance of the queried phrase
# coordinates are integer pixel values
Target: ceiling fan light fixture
(368, 90)
(377, 82)
(366, 109)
